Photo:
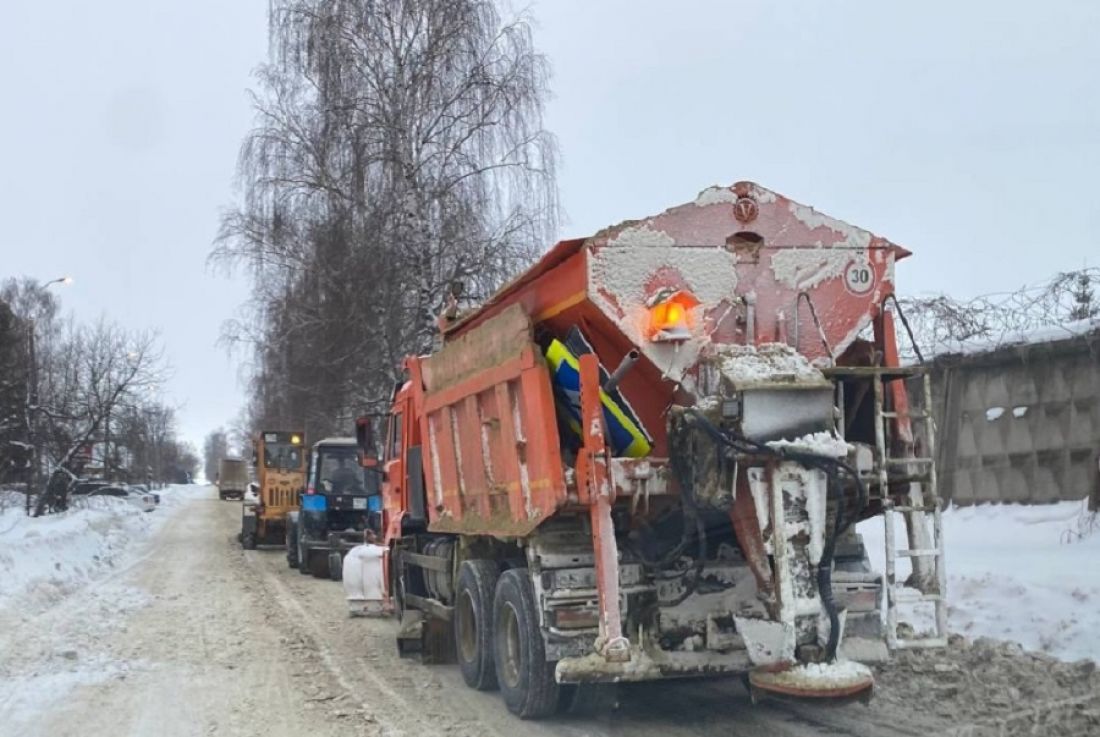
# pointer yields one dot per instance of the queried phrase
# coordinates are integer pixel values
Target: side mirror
(364, 437)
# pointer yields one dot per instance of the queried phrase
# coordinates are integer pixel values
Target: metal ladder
(924, 502)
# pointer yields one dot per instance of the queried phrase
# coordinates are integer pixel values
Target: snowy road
(196, 637)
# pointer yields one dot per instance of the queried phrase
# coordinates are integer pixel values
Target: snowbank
(1022, 573)
(45, 559)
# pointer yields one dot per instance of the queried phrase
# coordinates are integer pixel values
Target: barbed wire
(1066, 304)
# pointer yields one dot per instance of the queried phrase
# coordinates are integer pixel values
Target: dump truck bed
(492, 463)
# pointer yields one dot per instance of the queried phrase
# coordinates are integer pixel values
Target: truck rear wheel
(526, 679)
(248, 541)
(473, 623)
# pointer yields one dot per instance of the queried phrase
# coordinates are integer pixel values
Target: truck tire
(248, 541)
(525, 677)
(335, 565)
(292, 559)
(473, 623)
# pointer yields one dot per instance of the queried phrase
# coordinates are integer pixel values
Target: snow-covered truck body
(642, 458)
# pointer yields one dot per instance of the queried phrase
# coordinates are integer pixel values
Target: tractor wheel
(473, 623)
(248, 541)
(335, 565)
(303, 558)
(292, 559)
(318, 563)
(526, 679)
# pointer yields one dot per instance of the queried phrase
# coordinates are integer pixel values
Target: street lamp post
(32, 424)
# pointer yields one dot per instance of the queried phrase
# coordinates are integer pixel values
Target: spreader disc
(815, 680)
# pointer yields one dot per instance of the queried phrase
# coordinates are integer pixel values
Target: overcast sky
(967, 132)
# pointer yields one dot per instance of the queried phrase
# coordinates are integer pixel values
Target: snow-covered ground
(1023, 573)
(58, 564)
(45, 559)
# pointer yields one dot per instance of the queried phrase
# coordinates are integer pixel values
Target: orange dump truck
(643, 458)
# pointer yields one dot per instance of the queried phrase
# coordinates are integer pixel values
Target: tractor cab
(335, 512)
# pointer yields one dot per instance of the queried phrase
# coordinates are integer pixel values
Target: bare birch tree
(398, 150)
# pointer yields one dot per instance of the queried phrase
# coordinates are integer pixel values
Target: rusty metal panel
(747, 242)
(503, 338)
(494, 463)
(763, 268)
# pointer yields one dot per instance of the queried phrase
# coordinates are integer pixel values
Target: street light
(59, 280)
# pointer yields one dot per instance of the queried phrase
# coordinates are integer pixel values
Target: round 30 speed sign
(859, 277)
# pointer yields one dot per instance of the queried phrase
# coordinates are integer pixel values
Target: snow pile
(47, 558)
(27, 697)
(818, 443)
(1022, 573)
(987, 687)
(769, 363)
(44, 659)
(805, 268)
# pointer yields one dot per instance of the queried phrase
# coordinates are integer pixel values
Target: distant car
(86, 486)
(143, 500)
(144, 489)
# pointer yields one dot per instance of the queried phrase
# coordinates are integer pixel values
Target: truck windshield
(284, 456)
(337, 471)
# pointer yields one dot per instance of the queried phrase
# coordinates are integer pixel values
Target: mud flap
(427, 637)
(410, 633)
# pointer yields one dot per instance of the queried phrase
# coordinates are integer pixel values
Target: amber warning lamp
(669, 315)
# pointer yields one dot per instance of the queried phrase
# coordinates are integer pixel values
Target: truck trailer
(232, 478)
(644, 457)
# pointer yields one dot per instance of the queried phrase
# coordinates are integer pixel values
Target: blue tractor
(336, 508)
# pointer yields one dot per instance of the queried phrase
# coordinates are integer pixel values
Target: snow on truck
(643, 458)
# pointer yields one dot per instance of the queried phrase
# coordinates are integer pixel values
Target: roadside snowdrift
(45, 559)
(1022, 573)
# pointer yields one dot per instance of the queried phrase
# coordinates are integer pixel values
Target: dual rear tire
(497, 639)
(526, 678)
(473, 623)
(499, 645)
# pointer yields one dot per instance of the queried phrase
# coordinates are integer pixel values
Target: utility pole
(32, 417)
